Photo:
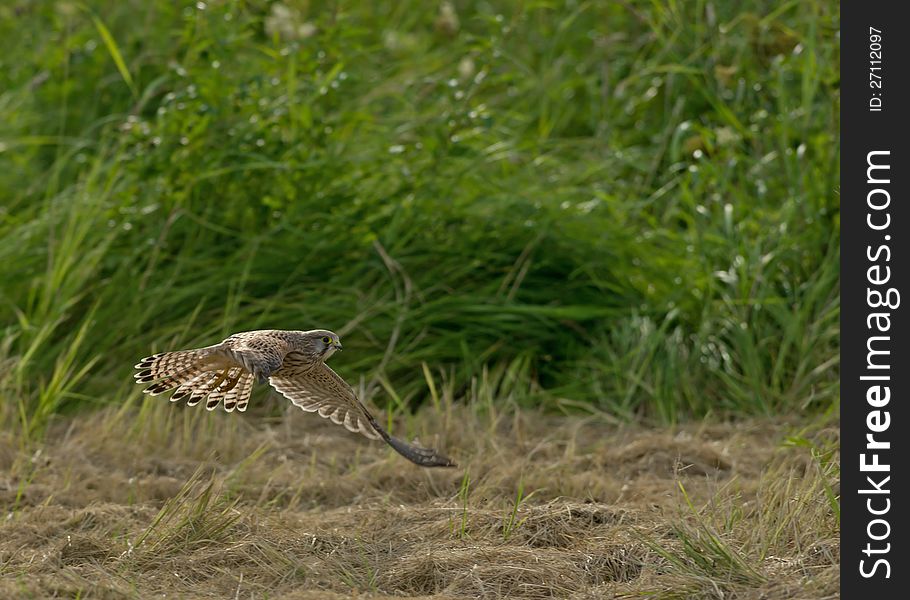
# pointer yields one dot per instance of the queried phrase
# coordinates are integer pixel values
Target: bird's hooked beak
(337, 345)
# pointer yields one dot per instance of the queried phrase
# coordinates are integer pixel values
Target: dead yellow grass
(184, 503)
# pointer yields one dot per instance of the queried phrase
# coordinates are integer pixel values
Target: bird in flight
(293, 362)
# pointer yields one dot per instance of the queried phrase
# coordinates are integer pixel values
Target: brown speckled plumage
(293, 362)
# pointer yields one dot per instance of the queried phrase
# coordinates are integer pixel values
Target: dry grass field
(165, 501)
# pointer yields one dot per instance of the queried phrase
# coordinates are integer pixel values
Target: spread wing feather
(211, 374)
(240, 395)
(317, 388)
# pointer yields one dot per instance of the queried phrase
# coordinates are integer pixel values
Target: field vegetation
(589, 249)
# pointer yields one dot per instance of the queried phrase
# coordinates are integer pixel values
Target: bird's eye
(326, 340)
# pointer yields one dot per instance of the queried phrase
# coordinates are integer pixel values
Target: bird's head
(324, 343)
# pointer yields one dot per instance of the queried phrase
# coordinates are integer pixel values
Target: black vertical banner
(875, 267)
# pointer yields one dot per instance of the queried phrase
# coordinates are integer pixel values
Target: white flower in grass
(288, 24)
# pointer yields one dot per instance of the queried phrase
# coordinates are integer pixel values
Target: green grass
(627, 207)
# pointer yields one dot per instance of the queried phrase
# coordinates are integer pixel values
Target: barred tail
(425, 457)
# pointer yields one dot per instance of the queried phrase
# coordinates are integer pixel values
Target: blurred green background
(628, 208)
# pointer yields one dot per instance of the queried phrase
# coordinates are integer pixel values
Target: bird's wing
(213, 374)
(317, 388)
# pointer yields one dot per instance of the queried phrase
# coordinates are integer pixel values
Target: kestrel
(294, 364)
